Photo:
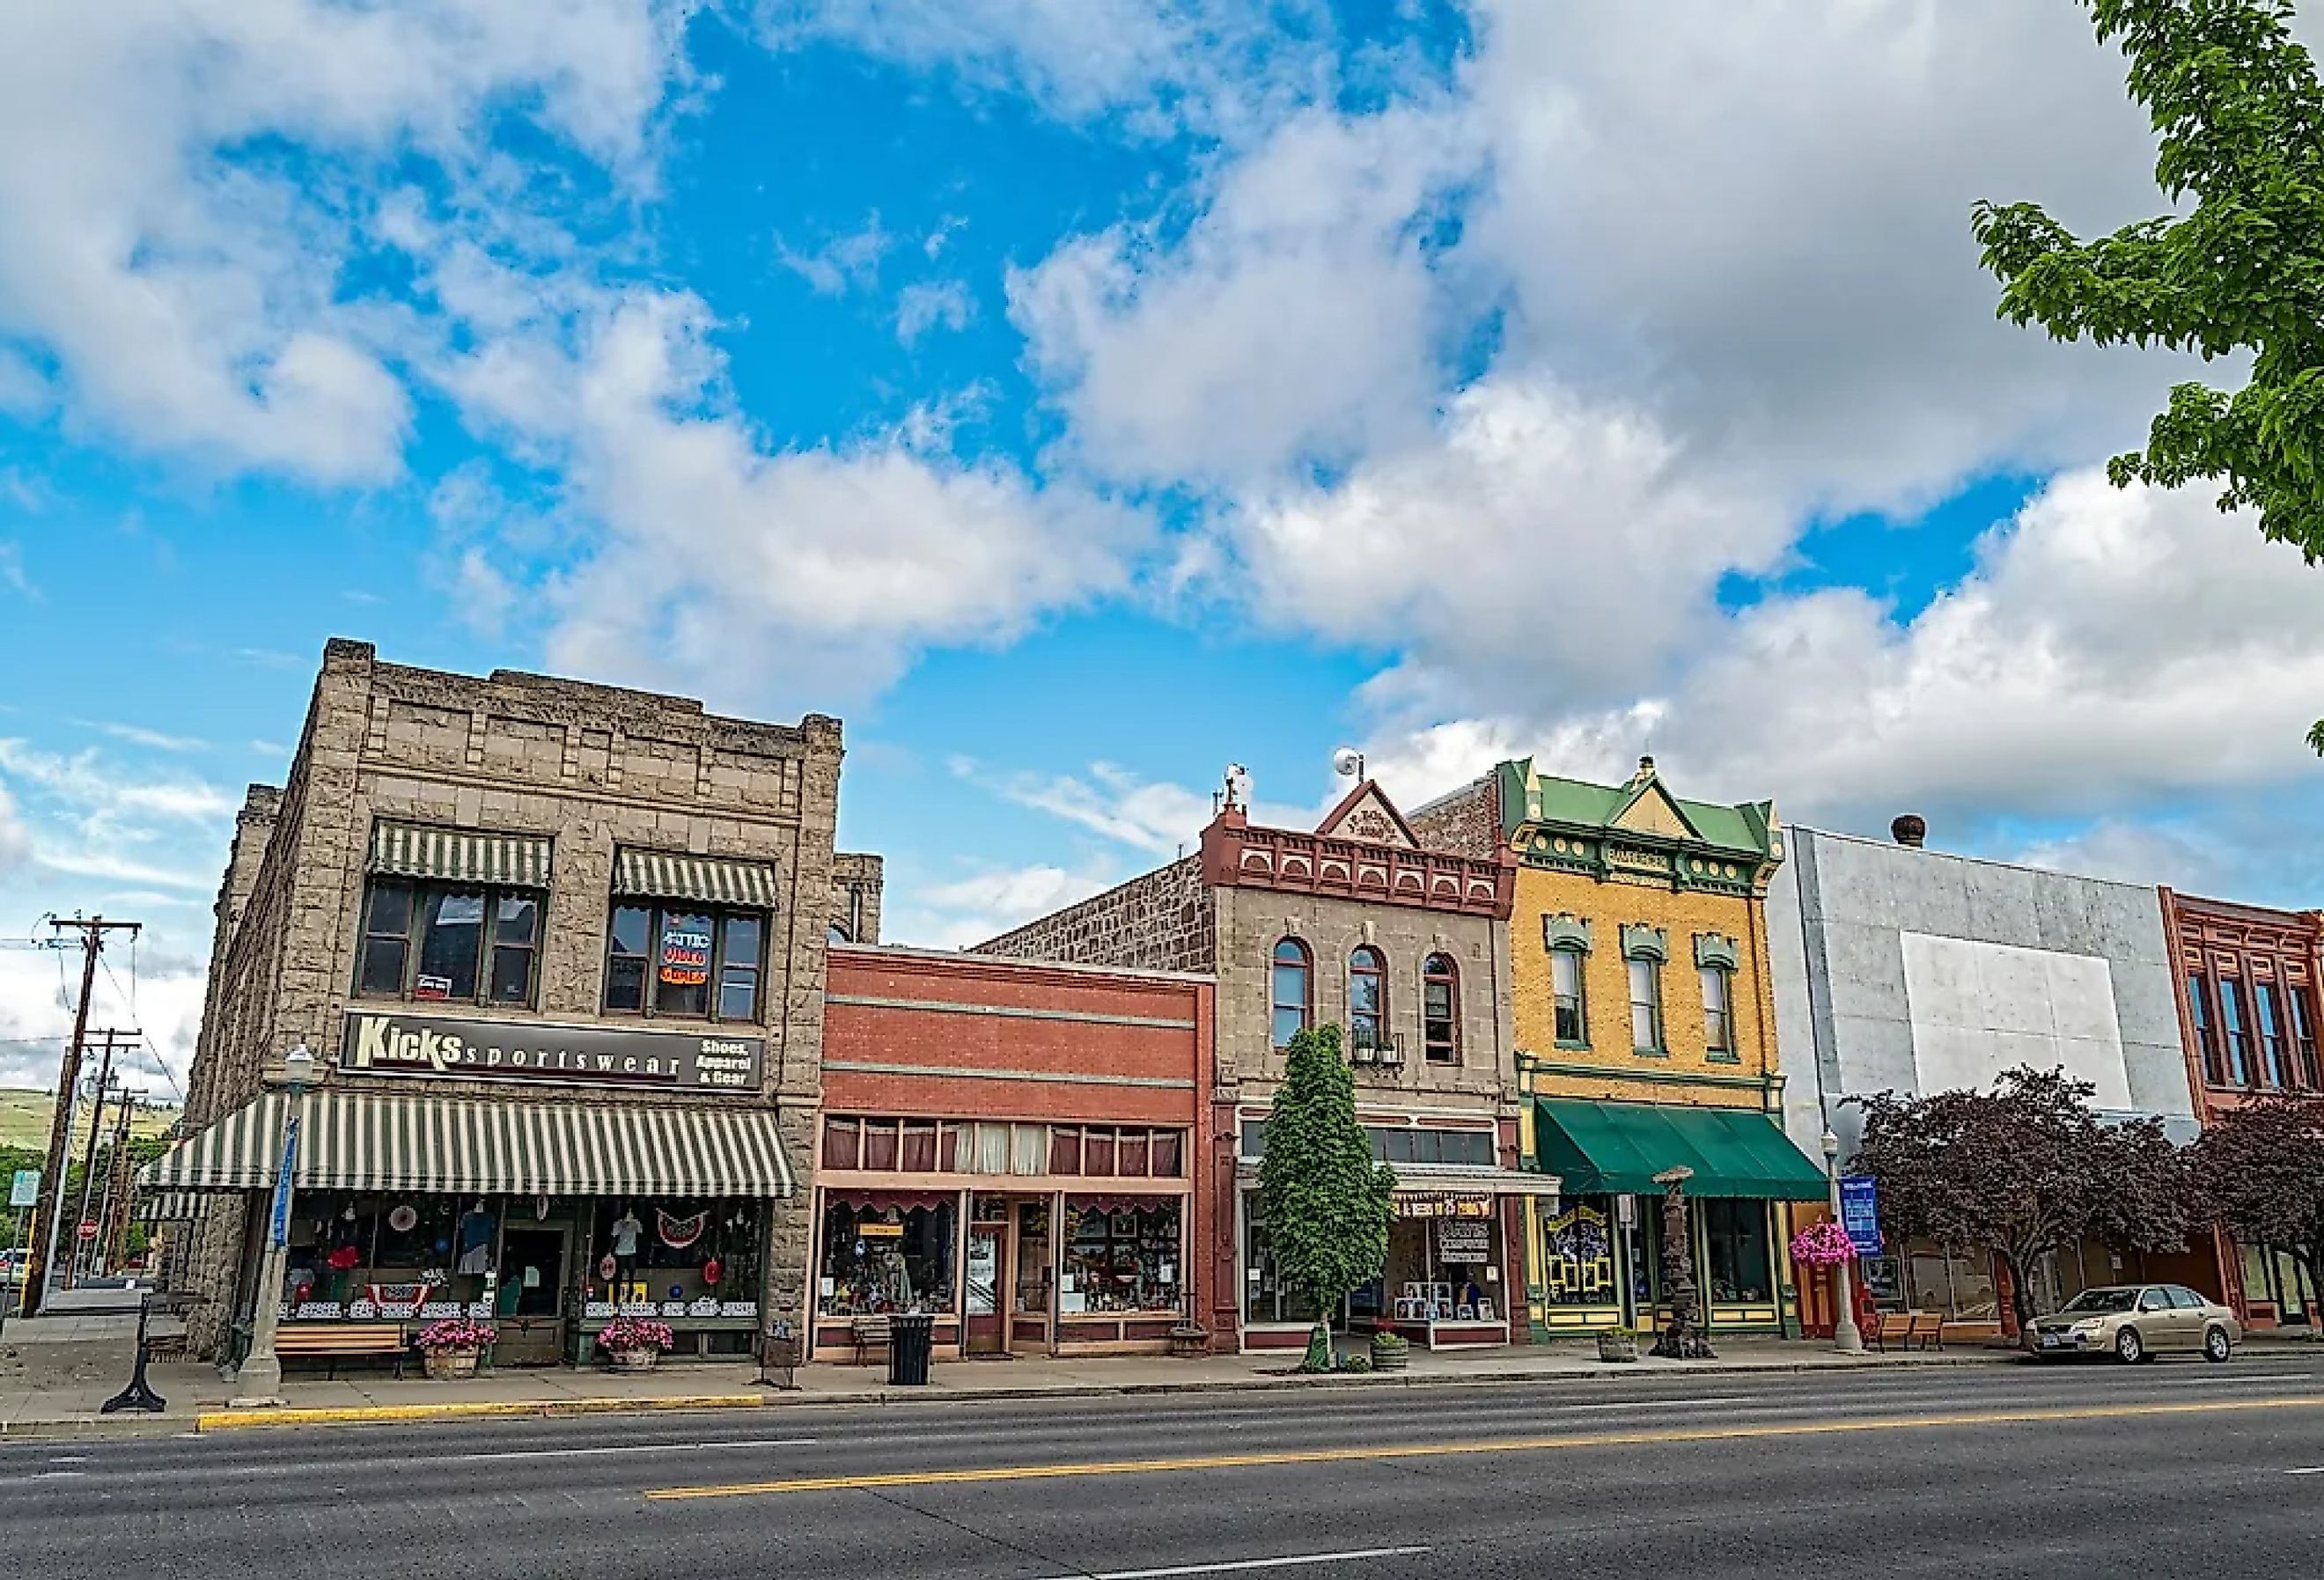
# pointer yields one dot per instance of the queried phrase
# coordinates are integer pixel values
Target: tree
(2239, 112)
(1324, 1199)
(2023, 1170)
(2260, 1170)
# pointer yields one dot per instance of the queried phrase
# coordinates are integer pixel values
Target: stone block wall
(1162, 921)
(1467, 822)
(856, 883)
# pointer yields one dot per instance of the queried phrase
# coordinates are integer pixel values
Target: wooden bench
(1892, 1325)
(872, 1333)
(1929, 1327)
(336, 1339)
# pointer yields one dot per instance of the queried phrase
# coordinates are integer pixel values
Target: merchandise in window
(446, 943)
(1440, 1010)
(1566, 983)
(895, 1256)
(1736, 1235)
(1288, 979)
(664, 961)
(1121, 1257)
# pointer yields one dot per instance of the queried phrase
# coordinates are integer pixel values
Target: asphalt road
(2175, 1468)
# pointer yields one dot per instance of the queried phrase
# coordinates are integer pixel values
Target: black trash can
(911, 1336)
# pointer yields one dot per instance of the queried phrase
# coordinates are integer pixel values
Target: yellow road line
(367, 1415)
(1020, 1472)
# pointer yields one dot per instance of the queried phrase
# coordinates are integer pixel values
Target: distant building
(1645, 1035)
(1405, 950)
(2248, 979)
(1903, 969)
(558, 949)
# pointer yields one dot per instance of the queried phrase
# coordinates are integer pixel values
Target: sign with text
(1464, 1240)
(1443, 1204)
(1859, 1212)
(277, 1233)
(385, 1043)
(24, 1189)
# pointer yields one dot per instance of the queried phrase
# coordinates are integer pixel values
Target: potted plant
(1618, 1343)
(635, 1344)
(453, 1346)
(1390, 1351)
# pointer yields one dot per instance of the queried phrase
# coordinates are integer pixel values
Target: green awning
(1617, 1149)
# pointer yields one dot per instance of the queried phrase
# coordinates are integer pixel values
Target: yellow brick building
(1644, 1020)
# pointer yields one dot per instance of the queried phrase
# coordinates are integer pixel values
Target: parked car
(11, 1264)
(2135, 1322)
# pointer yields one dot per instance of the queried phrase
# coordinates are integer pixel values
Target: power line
(131, 998)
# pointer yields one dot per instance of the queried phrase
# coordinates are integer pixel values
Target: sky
(1076, 396)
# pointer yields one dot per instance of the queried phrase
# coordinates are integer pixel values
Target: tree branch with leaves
(1324, 1199)
(2260, 1168)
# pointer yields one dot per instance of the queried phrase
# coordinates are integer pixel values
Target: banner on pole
(1859, 1212)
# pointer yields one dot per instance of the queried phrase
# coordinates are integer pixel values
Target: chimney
(1909, 830)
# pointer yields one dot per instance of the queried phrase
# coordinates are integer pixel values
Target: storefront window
(1268, 1296)
(673, 1250)
(1737, 1231)
(665, 960)
(886, 1255)
(1444, 1264)
(1578, 1256)
(1960, 1287)
(438, 943)
(1123, 1256)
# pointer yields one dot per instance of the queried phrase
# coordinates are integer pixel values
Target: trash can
(911, 1336)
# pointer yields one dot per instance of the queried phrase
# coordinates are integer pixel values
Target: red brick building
(2248, 979)
(1013, 1145)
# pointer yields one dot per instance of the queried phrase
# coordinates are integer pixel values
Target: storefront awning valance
(652, 874)
(1617, 1149)
(370, 1142)
(170, 1206)
(459, 855)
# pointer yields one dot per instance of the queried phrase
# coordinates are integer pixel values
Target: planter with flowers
(1822, 1245)
(453, 1346)
(633, 1344)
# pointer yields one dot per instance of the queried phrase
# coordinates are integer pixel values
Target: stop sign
(88, 1230)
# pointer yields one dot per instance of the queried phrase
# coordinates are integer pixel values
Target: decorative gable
(1368, 815)
(1653, 810)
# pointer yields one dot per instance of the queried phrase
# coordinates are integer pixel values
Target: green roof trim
(1531, 800)
(1617, 1149)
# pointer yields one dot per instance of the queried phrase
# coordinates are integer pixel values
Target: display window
(1122, 1256)
(1960, 1287)
(1268, 1295)
(1736, 1237)
(677, 1256)
(888, 1253)
(1439, 1269)
(1578, 1255)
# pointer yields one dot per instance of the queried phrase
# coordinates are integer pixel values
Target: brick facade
(587, 767)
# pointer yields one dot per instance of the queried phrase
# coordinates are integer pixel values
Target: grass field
(25, 1117)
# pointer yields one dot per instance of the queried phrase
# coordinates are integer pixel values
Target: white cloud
(842, 263)
(960, 911)
(729, 567)
(13, 573)
(931, 304)
(1296, 319)
(83, 816)
(197, 300)
(1156, 819)
(36, 1016)
(16, 841)
(139, 736)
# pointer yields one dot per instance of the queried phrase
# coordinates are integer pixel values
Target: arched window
(1440, 1009)
(836, 934)
(1367, 998)
(1290, 991)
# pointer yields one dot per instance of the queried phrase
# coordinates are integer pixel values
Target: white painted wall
(1978, 1008)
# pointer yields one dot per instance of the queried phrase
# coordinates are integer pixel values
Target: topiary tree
(1323, 1195)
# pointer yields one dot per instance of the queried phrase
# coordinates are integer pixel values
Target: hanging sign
(1859, 1212)
(279, 1228)
(382, 1042)
(1443, 1204)
(1464, 1240)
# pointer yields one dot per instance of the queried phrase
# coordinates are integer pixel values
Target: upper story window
(1565, 986)
(2303, 1040)
(451, 943)
(1718, 1018)
(1367, 998)
(2271, 1060)
(2231, 1017)
(2206, 1033)
(1290, 995)
(684, 960)
(1440, 1009)
(1645, 1004)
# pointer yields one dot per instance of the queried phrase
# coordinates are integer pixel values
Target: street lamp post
(1846, 1336)
(259, 1379)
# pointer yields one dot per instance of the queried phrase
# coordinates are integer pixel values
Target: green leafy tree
(2024, 1169)
(1323, 1198)
(2260, 1170)
(2239, 112)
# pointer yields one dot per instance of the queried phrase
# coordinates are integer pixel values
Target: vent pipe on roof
(1911, 830)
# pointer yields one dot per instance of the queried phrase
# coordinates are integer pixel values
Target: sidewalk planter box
(1617, 1344)
(451, 1365)
(639, 1359)
(1391, 1353)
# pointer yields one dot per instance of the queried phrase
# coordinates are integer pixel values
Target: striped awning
(170, 1206)
(657, 875)
(459, 855)
(362, 1140)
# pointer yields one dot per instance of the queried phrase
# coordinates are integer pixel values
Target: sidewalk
(198, 1398)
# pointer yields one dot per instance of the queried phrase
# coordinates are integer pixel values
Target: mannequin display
(476, 1239)
(627, 1231)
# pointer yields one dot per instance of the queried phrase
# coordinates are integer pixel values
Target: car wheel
(2215, 1346)
(2128, 1347)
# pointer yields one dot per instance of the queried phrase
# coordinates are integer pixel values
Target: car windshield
(2102, 1302)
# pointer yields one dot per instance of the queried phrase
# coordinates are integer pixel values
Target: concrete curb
(216, 1421)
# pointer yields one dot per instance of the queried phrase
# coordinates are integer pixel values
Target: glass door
(988, 1248)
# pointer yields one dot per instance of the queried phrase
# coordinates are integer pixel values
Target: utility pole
(48, 1212)
(114, 1216)
(77, 1256)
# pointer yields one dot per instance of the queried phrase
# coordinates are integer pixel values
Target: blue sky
(1076, 395)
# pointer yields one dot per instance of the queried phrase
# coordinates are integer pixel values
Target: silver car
(2135, 1322)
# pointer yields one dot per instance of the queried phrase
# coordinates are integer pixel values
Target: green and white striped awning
(364, 1141)
(170, 1206)
(459, 855)
(656, 875)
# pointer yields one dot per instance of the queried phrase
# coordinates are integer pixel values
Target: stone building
(2247, 978)
(558, 951)
(1903, 969)
(1643, 1016)
(1405, 948)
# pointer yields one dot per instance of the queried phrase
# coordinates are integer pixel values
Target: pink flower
(1824, 1244)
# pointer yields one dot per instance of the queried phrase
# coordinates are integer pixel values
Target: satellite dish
(1348, 762)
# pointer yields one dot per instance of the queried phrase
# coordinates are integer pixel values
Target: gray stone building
(1903, 969)
(558, 951)
(1404, 948)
